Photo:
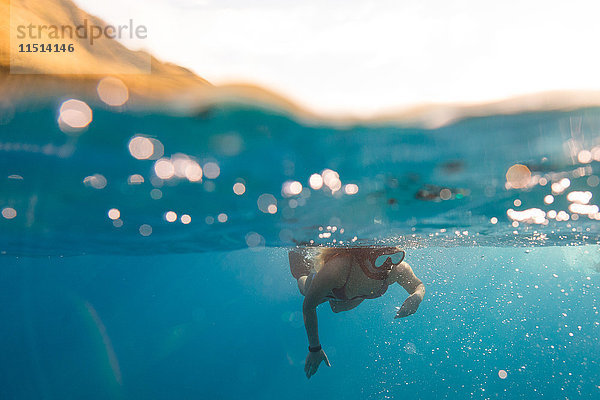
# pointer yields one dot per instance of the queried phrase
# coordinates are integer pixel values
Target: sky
(361, 58)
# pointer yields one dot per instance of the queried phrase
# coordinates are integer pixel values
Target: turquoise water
(101, 305)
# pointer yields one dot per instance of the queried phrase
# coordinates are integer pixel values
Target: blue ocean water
(104, 297)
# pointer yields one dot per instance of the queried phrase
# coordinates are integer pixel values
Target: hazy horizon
(353, 58)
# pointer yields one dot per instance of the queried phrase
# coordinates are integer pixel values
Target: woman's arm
(326, 279)
(406, 278)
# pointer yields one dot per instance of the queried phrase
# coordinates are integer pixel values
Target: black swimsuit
(339, 294)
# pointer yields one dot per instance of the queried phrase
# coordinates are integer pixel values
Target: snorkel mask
(381, 262)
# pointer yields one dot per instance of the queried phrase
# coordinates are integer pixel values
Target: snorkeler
(345, 277)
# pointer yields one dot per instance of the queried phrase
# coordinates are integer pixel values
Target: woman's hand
(313, 359)
(410, 305)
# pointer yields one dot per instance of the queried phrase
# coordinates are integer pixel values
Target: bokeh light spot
(264, 201)
(74, 115)
(112, 91)
(518, 176)
(254, 239)
(96, 181)
(593, 181)
(193, 172)
(291, 188)
(114, 213)
(445, 194)
(239, 188)
(315, 181)
(9, 212)
(145, 230)
(351, 189)
(211, 170)
(579, 197)
(156, 194)
(171, 216)
(584, 156)
(135, 179)
(164, 168)
(141, 147)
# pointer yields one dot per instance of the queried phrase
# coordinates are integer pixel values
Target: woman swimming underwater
(345, 277)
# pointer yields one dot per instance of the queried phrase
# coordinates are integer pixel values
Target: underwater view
(228, 200)
(145, 255)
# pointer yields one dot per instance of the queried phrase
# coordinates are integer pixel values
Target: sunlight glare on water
(377, 185)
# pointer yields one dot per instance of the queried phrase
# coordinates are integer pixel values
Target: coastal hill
(44, 73)
(150, 81)
(156, 84)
